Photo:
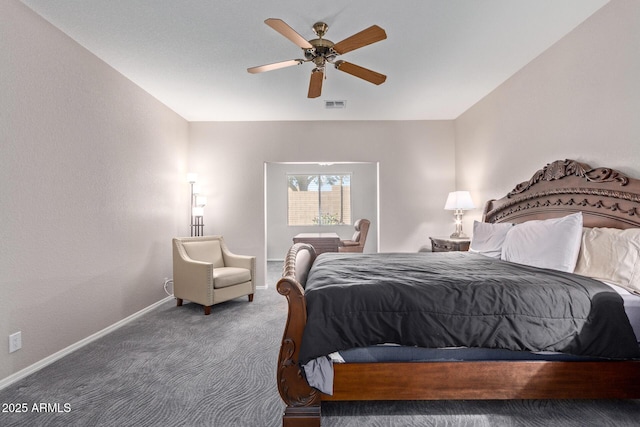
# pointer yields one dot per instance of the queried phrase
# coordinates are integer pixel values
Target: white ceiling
(440, 56)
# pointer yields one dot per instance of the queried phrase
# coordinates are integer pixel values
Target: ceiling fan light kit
(321, 51)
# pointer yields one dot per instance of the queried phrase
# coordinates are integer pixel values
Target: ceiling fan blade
(361, 72)
(315, 84)
(363, 38)
(283, 28)
(274, 66)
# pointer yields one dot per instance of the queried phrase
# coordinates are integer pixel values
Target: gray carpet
(176, 367)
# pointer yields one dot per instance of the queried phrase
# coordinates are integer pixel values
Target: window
(319, 199)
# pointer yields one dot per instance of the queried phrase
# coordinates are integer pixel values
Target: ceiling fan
(321, 51)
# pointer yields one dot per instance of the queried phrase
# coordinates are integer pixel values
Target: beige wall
(580, 99)
(92, 168)
(416, 161)
(91, 185)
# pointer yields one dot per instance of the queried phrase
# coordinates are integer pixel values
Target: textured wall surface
(91, 184)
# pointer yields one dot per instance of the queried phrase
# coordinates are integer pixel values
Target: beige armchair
(356, 244)
(206, 272)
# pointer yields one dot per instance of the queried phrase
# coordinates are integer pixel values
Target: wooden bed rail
(486, 380)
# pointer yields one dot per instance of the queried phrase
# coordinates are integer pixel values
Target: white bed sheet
(631, 307)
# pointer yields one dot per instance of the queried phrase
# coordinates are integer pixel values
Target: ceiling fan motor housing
(321, 48)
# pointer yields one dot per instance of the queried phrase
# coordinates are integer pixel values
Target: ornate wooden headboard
(605, 196)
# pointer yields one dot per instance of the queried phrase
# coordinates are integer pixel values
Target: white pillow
(488, 238)
(611, 255)
(551, 243)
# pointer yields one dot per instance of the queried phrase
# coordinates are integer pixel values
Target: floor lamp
(197, 204)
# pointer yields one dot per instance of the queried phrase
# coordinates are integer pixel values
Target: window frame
(318, 182)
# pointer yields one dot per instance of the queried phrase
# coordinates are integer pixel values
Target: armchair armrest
(241, 261)
(192, 279)
(235, 260)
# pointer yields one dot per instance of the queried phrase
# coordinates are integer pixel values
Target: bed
(602, 197)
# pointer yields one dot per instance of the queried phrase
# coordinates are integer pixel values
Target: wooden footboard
(302, 400)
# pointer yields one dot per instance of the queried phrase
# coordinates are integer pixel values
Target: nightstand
(448, 244)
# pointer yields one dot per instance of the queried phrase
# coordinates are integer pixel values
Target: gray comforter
(455, 299)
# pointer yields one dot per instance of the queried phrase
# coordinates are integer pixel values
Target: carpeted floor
(171, 367)
(176, 367)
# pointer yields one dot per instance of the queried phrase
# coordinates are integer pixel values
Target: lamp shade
(201, 201)
(459, 200)
(198, 211)
(192, 177)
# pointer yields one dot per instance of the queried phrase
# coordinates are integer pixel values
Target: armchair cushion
(230, 276)
(205, 251)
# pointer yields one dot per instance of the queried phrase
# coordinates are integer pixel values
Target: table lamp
(459, 201)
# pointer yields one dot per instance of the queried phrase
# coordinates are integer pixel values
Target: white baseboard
(73, 347)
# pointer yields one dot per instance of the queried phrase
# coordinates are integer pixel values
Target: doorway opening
(363, 188)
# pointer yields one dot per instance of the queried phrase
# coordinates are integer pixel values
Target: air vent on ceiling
(335, 104)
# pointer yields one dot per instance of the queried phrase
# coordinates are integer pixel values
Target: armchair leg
(179, 302)
(207, 310)
(250, 297)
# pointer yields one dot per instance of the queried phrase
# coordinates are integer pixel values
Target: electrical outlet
(15, 342)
